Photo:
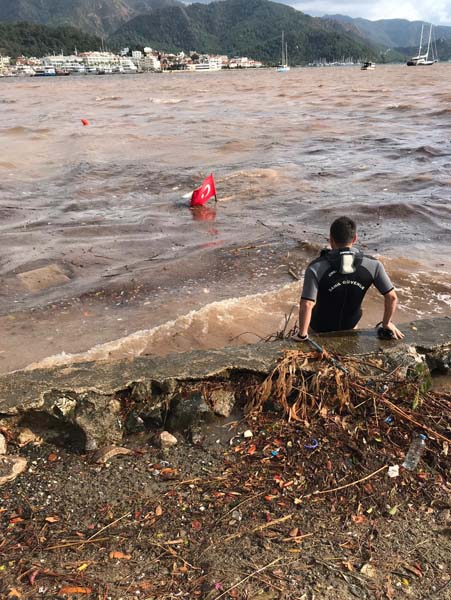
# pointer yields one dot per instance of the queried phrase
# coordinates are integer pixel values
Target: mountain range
(101, 17)
(392, 33)
(244, 27)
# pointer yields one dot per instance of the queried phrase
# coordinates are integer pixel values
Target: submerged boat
(368, 66)
(422, 60)
(283, 67)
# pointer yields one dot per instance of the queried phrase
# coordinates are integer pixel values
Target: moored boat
(422, 60)
(45, 71)
(283, 67)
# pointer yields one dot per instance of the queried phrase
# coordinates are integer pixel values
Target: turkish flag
(203, 194)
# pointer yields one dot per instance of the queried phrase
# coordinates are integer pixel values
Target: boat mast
(286, 53)
(283, 49)
(434, 49)
(429, 42)
(421, 40)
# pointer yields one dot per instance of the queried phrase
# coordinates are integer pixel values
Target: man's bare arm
(390, 303)
(305, 314)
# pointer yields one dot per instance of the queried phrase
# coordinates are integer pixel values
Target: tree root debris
(303, 509)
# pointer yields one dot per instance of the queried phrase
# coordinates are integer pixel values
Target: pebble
(2, 444)
(103, 455)
(26, 436)
(443, 516)
(248, 434)
(167, 440)
(11, 467)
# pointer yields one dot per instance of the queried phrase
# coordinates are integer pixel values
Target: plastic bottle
(414, 453)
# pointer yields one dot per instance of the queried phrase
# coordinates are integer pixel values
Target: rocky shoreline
(181, 477)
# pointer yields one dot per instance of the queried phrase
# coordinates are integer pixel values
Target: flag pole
(216, 197)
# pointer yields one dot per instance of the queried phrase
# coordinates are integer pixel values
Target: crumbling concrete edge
(89, 395)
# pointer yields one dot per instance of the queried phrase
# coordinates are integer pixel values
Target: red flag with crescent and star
(203, 194)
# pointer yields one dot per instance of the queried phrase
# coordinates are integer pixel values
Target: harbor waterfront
(127, 62)
(100, 247)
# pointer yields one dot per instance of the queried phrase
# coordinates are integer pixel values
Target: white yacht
(24, 71)
(422, 60)
(284, 67)
(78, 70)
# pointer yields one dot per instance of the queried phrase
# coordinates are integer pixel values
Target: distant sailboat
(423, 59)
(283, 67)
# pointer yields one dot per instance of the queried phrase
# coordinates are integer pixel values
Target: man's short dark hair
(343, 230)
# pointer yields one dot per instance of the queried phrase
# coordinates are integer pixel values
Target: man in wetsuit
(336, 282)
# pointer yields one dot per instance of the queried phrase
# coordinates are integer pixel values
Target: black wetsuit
(338, 281)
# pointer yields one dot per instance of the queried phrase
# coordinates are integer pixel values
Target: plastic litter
(415, 451)
(393, 471)
(313, 445)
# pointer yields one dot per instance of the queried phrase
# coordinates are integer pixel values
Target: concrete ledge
(88, 395)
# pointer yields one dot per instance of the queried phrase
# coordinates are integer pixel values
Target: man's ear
(355, 239)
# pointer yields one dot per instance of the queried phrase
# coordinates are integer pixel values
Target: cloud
(432, 11)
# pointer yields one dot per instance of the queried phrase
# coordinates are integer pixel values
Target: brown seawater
(98, 245)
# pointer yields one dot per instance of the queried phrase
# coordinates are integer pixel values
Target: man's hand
(396, 333)
(390, 302)
(299, 338)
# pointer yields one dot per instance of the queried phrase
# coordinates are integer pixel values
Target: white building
(207, 63)
(71, 63)
(5, 61)
(243, 62)
(101, 61)
(126, 65)
(149, 62)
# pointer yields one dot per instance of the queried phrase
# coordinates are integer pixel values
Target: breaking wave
(228, 322)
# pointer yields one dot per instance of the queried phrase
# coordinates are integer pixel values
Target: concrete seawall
(91, 396)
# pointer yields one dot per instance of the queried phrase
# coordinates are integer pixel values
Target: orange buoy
(85, 122)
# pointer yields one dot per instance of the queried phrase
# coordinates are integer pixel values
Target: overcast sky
(432, 11)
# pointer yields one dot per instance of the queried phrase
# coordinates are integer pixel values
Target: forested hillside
(37, 40)
(101, 17)
(242, 27)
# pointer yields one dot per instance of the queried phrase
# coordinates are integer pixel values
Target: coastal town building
(5, 61)
(243, 62)
(148, 60)
(136, 61)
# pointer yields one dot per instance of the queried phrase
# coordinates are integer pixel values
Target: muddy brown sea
(98, 245)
